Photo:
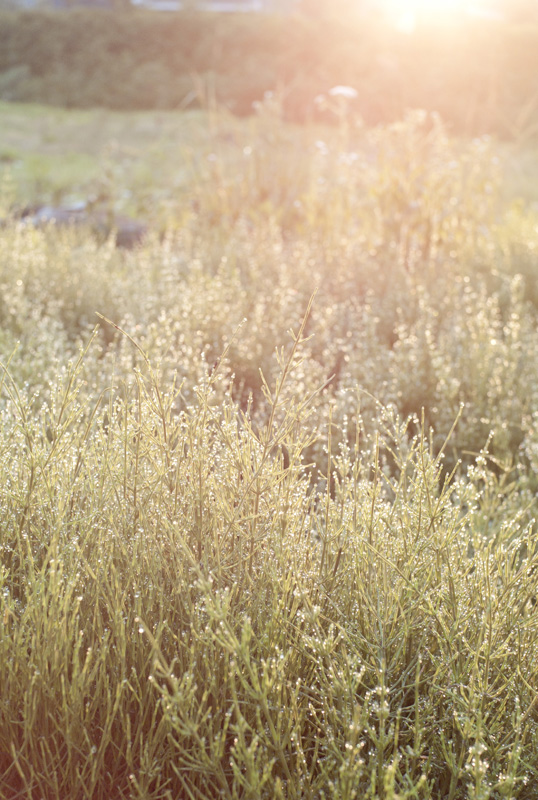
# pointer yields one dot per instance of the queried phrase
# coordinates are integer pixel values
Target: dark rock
(128, 232)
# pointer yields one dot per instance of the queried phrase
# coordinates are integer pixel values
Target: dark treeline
(480, 79)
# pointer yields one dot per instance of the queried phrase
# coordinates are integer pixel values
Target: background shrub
(114, 59)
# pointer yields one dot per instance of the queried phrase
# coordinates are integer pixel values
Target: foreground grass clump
(181, 615)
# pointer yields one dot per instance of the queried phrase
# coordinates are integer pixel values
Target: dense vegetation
(255, 544)
(480, 78)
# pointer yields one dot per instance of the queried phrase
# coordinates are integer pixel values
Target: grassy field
(268, 480)
(141, 159)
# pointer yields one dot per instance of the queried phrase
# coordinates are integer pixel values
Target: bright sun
(405, 13)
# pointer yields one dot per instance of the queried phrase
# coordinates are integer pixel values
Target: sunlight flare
(405, 14)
